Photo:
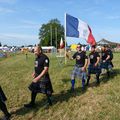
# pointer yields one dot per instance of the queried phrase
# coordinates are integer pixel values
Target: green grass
(96, 103)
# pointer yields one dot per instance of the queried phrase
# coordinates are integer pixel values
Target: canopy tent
(107, 42)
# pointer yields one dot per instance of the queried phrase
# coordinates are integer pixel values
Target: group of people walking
(91, 64)
(41, 81)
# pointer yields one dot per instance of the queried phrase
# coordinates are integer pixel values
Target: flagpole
(65, 36)
(51, 33)
(56, 38)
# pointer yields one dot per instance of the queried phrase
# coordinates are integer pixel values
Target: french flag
(79, 29)
(61, 43)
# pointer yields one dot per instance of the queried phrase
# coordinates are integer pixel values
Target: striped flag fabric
(79, 29)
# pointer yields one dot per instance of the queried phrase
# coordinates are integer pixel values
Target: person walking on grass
(108, 49)
(93, 65)
(105, 60)
(41, 81)
(79, 68)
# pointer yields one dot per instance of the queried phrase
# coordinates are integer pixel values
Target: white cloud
(6, 10)
(99, 1)
(70, 2)
(108, 33)
(41, 10)
(8, 1)
(17, 36)
(89, 9)
(25, 24)
(18, 39)
(26, 27)
(28, 22)
(113, 17)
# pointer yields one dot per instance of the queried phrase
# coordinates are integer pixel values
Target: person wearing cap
(41, 81)
(3, 106)
(93, 65)
(80, 67)
(105, 60)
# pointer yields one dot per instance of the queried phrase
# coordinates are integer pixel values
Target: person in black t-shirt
(110, 66)
(41, 81)
(93, 65)
(80, 67)
(105, 60)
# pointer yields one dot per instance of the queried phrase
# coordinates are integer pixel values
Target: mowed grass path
(96, 103)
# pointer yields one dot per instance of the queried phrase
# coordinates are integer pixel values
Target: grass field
(96, 103)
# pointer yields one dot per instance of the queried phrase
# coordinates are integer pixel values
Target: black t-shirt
(93, 57)
(105, 55)
(40, 62)
(110, 53)
(80, 58)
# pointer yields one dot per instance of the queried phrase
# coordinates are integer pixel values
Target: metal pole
(65, 36)
(56, 38)
(51, 33)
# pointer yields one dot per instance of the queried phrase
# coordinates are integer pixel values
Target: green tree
(45, 33)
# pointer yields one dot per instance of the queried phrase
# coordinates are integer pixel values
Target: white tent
(49, 48)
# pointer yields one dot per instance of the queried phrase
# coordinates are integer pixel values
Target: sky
(20, 20)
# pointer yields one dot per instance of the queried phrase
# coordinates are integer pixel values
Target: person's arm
(45, 70)
(41, 75)
(33, 74)
(88, 61)
(98, 60)
(85, 65)
(108, 57)
(73, 57)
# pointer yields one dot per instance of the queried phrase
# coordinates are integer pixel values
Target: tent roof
(104, 41)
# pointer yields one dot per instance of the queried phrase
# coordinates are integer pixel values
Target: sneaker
(29, 105)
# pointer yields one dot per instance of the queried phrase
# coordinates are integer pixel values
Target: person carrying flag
(80, 67)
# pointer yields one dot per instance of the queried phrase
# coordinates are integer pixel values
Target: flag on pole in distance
(79, 29)
(61, 43)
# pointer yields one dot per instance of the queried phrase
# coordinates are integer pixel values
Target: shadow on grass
(70, 65)
(66, 80)
(93, 84)
(66, 95)
(105, 78)
(61, 97)
(22, 111)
